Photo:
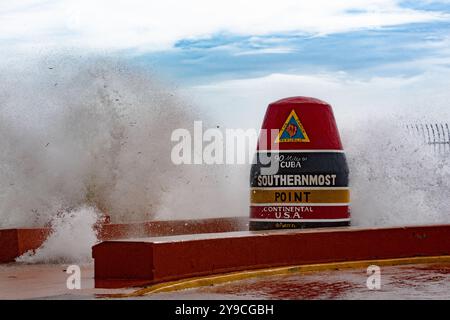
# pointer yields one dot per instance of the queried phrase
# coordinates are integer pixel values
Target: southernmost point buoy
(299, 177)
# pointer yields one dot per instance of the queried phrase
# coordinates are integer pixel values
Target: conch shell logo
(291, 129)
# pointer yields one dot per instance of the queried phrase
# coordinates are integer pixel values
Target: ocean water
(83, 137)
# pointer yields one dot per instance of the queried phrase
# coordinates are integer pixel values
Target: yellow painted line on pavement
(289, 270)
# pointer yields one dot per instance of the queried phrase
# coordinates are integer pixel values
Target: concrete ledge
(15, 242)
(134, 262)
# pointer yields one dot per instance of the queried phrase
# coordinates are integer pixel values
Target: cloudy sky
(253, 51)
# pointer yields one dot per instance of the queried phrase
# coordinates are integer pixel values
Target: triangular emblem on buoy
(292, 130)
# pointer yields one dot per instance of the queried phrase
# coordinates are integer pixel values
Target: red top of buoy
(304, 124)
(299, 99)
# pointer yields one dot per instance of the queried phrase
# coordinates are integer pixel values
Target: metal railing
(436, 135)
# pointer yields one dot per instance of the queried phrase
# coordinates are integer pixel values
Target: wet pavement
(430, 281)
(425, 281)
(43, 281)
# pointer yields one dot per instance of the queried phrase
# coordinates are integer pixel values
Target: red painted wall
(153, 262)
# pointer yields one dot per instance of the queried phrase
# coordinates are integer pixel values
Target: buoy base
(258, 225)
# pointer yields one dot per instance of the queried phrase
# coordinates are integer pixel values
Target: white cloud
(243, 102)
(157, 25)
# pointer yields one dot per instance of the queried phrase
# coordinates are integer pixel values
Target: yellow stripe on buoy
(299, 196)
(289, 270)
